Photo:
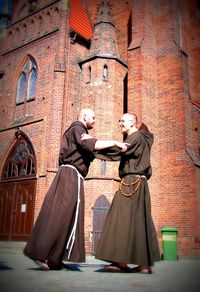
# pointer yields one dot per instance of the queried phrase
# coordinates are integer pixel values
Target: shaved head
(130, 117)
(85, 112)
(87, 117)
(128, 123)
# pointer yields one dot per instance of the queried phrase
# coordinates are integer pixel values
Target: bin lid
(168, 229)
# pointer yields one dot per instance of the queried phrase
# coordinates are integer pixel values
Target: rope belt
(132, 185)
(70, 242)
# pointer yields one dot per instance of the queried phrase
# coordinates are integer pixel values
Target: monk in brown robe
(58, 233)
(129, 235)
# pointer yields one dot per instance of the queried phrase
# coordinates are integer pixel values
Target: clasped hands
(121, 145)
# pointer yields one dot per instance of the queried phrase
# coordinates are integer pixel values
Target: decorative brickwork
(144, 58)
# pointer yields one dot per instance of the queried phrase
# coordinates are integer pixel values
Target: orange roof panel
(78, 20)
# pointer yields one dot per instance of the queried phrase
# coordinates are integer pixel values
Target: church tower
(103, 87)
(103, 74)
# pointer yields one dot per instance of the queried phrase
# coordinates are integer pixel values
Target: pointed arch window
(105, 73)
(21, 89)
(27, 82)
(32, 82)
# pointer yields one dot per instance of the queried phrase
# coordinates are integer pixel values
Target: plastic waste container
(169, 244)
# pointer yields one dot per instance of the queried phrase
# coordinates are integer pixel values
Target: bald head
(128, 123)
(87, 117)
(130, 117)
(84, 112)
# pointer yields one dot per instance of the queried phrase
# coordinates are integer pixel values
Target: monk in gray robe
(58, 233)
(129, 235)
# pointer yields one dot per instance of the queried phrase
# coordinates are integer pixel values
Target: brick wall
(159, 48)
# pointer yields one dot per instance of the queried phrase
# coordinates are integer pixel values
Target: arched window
(21, 88)
(27, 82)
(21, 161)
(105, 73)
(32, 83)
(18, 190)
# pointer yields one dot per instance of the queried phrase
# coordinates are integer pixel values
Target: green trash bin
(169, 244)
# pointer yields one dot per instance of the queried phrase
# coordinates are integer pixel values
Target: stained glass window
(21, 161)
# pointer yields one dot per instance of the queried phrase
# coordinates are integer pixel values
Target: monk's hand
(85, 136)
(123, 146)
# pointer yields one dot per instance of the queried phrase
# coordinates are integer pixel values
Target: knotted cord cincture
(70, 242)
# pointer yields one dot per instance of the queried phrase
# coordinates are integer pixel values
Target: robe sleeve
(135, 147)
(109, 154)
(115, 154)
(87, 144)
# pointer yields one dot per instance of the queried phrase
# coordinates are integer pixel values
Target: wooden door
(100, 212)
(17, 191)
(6, 207)
(17, 200)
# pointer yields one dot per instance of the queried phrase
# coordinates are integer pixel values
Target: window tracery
(21, 161)
(27, 82)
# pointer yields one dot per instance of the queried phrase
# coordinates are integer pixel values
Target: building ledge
(102, 56)
(20, 123)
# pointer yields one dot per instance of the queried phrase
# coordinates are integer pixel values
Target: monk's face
(90, 120)
(125, 124)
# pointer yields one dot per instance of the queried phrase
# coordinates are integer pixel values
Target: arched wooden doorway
(100, 212)
(17, 191)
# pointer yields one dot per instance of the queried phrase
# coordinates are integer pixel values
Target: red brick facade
(150, 53)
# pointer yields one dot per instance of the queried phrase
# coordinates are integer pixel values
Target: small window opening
(89, 74)
(103, 167)
(105, 73)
